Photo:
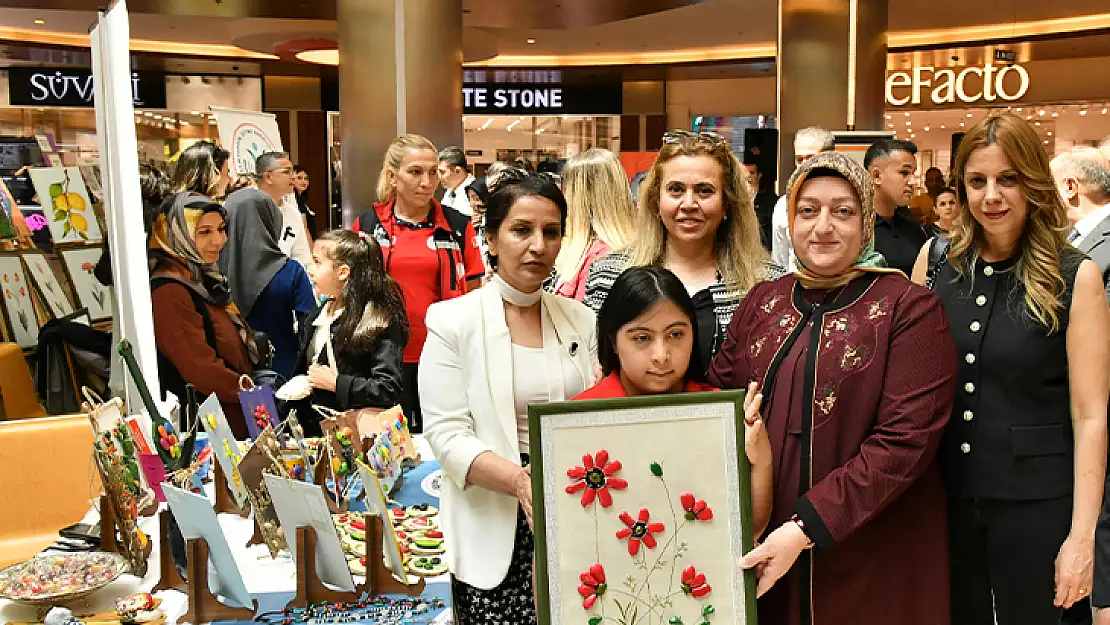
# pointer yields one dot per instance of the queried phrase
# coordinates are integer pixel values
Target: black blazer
(1096, 245)
(368, 380)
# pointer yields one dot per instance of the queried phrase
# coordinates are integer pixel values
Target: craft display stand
(321, 478)
(224, 501)
(108, 543)
(379, 579)
(169, 578)
(204, 607)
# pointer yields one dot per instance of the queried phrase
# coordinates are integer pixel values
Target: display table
(272, 582)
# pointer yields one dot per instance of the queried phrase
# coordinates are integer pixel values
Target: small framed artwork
(79, 263)
(66, 204)
(47, 282)
(643, 510)
(22, 324)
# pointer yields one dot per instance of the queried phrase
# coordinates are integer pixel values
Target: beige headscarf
(868, 260)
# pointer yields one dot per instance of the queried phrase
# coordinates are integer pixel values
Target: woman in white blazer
(488, 355)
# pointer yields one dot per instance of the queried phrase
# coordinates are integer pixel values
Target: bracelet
(797, 520)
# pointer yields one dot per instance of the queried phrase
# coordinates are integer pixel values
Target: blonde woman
(1024, 454)
(696, 219)
(428, 248)
(600, 218)
(202, 168)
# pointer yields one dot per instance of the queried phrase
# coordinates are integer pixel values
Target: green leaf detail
(59, 215)
(675, 620)
(707, 610)
(596, 620)
(56, 189)
(657, 469)
(703, 622)
(66, 229)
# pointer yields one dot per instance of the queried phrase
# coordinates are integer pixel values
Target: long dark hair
(512, 186)
(198, 168)
(371, 300)
(634, 292)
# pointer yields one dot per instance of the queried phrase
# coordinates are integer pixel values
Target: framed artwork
(643, 509)
(7, 213)
(47, 281)
(376, 506)
(79, 263)
(304, 505)
(224, 446)
(22, 324)
(66, 204)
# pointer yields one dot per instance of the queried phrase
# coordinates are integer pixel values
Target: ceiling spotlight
(1028, 117)
(1040, 112)
(40, 22)
(888, 116)
(961, 124)
(1049, 133)
(1018, 109)
(157, 117)
(1046, 141)
(1104, 110)
(1036, 123)
(913, 136)
(198, 113)
(907, 114)
(148, 114)
(1055, 114)
(942, 126)
(969, 115)
(926, 129)
(1082, 112)
(530, 41)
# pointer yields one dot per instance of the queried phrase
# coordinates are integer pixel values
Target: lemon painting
(66, 205)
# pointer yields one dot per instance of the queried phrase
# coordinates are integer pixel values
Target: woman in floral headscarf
(857, 372)
(201, 337)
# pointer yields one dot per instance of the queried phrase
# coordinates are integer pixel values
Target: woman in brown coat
(857, 370)
(201, 337)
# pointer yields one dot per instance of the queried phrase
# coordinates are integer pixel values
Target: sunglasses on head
(711, 140)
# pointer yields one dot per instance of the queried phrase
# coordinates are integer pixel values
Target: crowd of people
(927, 375)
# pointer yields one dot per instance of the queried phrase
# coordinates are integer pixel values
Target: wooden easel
(204, 607)
(321, 478)
(169, 578)
(224, 501)
(107, 526)
(378, 574)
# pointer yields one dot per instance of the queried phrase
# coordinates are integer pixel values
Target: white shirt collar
(1086, 225)
(463, 185)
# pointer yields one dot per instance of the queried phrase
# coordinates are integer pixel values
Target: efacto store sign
(968, 85)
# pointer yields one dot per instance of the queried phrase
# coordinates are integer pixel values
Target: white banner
(247, 135)
(119, 172)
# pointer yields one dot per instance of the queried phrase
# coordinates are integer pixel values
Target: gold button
(966, 448)
(968, 415)
(988, 271)
(970, 358)
(969, 387)
(976, 326)
(981, 300)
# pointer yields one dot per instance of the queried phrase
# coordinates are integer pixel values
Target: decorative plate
(53, 579)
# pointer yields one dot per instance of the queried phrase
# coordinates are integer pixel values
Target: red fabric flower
(693, 583)
(593, 586)
(87, 267)
(639, 531)
(696, 509)
(595, 478)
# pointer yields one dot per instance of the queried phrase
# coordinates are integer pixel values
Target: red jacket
(610, 387)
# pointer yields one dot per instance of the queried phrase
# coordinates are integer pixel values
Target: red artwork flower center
(639, 531)
(595, 479)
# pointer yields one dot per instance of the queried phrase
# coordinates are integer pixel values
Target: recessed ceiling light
(1104, 110)
(913, 136)
(1018, 109)
(1028, 117)
(531, 41)
(1049, 133)
(1082, 112)
(1054, 114)
(969, 115)
(1040, 112)
(961, 124)
(888, 116)
(40, 22)
(907, 114)
(1036, 123)
(1046, 141)
(148, 114)
(198, 113)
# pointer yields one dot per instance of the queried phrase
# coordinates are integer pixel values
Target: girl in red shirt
(647, 338)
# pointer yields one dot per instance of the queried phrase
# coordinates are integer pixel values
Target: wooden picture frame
(77, 261)
(46, 281)
(677, 460)
(21, 321)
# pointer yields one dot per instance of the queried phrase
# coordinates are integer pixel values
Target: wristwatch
(797, 520)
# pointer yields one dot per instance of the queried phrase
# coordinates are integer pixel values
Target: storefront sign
(946, 86)
(538, 92)
(36, 86)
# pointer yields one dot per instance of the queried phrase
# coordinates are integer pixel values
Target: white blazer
(466, 398)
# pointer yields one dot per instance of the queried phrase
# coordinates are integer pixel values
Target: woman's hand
(756, 443)
(776, 555)
(322, 377)
(522, 485)
(1074, 570)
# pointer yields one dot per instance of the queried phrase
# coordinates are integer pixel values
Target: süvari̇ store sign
(931, 86)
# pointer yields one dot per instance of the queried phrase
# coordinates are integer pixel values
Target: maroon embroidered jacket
(862, 387)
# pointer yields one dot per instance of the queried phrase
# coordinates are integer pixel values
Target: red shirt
(610, 387)
(425, 261)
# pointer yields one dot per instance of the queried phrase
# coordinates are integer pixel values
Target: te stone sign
(947, 86)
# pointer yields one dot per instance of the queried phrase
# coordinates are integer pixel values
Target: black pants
(1100, 596)
(1003, 556)
(410, 397)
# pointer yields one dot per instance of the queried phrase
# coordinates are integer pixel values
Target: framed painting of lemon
(65, 204)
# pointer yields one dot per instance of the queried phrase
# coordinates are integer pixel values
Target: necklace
(381, 609)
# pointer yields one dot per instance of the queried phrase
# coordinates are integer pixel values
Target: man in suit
(1082, 176)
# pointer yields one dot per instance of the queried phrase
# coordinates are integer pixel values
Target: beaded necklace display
(380, 610)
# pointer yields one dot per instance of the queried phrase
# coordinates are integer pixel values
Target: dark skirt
(510, 602)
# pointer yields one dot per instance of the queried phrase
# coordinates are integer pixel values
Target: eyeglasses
(711, 140)
(284, 170)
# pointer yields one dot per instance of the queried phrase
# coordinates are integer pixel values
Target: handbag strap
(938, 252)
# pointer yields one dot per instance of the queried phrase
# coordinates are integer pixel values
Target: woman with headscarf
(857, 371)
(201, 337)
(272, 290)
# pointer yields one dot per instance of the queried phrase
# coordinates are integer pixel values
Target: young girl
(647, 340)
(350, 348)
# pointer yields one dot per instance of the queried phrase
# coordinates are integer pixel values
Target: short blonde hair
(394, 156)
(740, 255)
(600, 207)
